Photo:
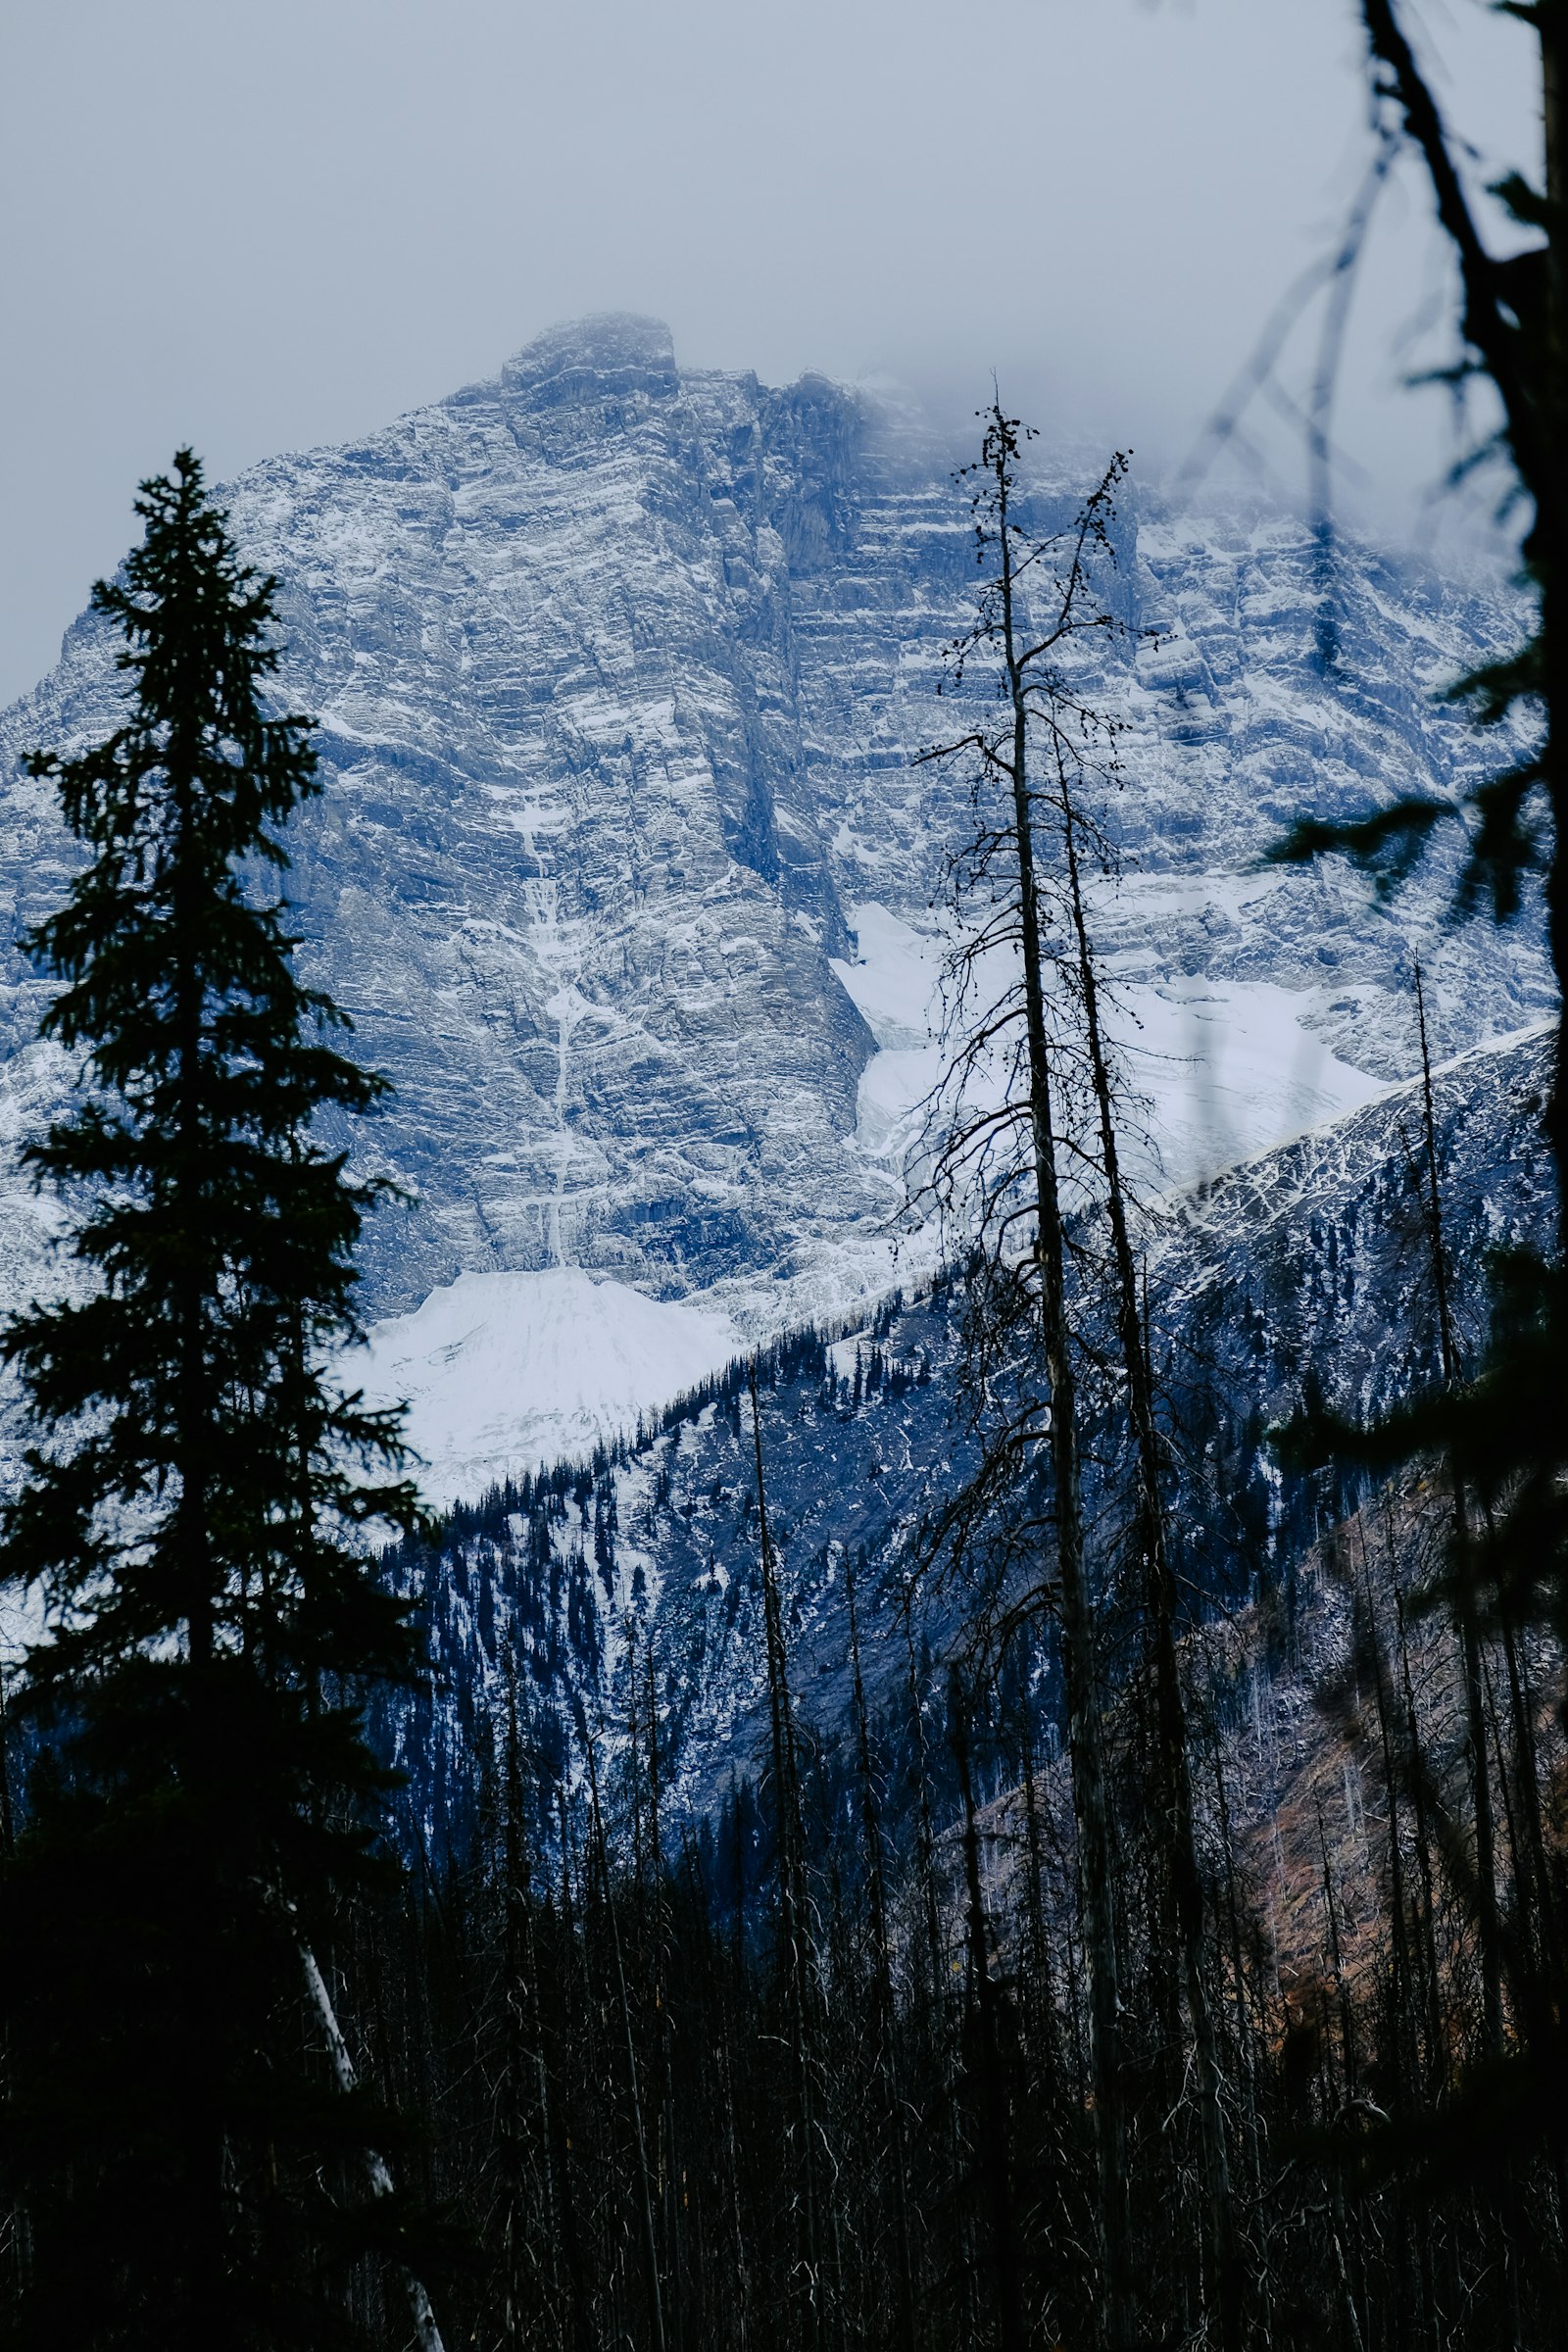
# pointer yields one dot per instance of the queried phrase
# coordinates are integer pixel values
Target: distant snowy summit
(626, 874)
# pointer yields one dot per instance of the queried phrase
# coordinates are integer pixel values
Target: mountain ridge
(621, 671)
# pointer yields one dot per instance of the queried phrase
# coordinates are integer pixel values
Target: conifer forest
(1023, 1805)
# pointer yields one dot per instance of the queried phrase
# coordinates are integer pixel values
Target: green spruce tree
(183, 2167)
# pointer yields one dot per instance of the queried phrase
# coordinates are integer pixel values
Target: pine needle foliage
(182, 2167)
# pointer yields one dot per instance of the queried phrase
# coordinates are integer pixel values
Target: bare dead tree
(645, 2185)
(993, 2151)
(1006, 1156)
(797, 1958)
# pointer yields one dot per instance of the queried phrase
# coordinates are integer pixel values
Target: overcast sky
(265, 227)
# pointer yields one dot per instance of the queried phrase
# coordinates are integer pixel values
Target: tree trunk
(792, 1886)
(994, 2133)
(1464, 1579)
(655, 2299)
(1085, 1733)
(376, 2172)
(1179, 1835)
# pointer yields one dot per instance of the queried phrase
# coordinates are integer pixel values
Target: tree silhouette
(186, 2170)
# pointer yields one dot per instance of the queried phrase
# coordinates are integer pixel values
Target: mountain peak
(612, 353)
(627, 866)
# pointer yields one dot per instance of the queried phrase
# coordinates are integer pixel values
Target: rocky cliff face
(623, 870)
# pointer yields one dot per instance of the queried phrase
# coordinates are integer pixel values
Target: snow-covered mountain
(625, 873)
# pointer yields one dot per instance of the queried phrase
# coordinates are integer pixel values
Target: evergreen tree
(185, 2169)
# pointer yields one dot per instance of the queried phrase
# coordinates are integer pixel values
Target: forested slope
(1301, 1273)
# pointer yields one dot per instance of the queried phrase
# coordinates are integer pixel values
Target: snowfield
(503, 1372)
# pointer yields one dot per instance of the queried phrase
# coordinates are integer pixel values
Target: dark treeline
(673, 2113)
